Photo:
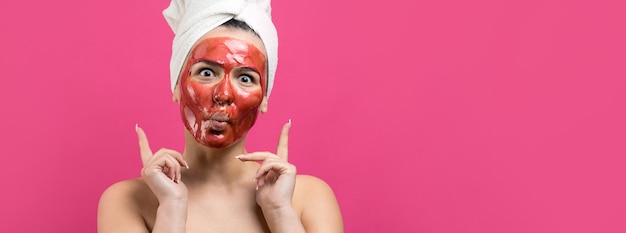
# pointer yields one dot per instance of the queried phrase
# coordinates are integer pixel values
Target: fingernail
(257, 188)
(186, 164)
(136, 127)
(238, 156)
(178, 180)
(290, 121)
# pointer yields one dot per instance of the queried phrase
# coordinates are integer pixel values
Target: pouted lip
(221, 117)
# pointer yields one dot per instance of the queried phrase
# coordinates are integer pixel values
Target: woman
(215, 185)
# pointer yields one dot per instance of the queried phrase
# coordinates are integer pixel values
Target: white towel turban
(191, 19)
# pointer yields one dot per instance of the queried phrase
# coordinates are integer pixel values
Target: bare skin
(223, 190)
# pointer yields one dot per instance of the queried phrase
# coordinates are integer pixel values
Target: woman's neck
(216, 165)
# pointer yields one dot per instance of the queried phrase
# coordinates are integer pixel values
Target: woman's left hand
(276, 178)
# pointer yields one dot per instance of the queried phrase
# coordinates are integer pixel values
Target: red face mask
(222, 86)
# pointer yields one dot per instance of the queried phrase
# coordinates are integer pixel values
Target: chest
(226, 216)
(223, 215)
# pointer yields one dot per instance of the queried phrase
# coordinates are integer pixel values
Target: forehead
(235, 33)
(228, 53)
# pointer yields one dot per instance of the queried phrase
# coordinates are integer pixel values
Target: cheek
(196, 94)
(248, 100)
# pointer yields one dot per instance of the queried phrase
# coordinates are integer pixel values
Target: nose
(222, 93)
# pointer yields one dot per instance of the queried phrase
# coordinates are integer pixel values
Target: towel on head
(191, 19)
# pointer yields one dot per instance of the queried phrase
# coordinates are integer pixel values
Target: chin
(218, 142)
(217, 145)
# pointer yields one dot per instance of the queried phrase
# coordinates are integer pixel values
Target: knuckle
(159, 152)
(145, 172)
(163, 153)
(171, 152)
(267, 160)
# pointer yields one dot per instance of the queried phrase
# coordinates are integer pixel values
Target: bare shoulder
(309, 186)
(315, 200)
(131, 192)
(123, 205)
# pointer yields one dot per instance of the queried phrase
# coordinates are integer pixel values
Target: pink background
(424, 116)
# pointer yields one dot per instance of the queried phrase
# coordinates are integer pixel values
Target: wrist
(172, 210)
(276, 206)
(171, 216)
(173, 204)
(173, 198)
(278, 210)
(283, 219)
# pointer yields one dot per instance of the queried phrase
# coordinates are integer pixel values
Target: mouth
(218, 123)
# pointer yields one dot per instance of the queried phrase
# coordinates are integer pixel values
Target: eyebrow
(209, 63)
(247, 69)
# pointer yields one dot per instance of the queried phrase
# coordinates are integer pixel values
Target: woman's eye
(245, 79)
(207, 72)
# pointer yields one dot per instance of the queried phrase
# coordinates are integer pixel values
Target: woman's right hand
(162, 170)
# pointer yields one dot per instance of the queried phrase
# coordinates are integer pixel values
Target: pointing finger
(144, 146)
(283, 141)
(256, 156)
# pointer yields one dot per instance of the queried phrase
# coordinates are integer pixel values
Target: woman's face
(222, 86)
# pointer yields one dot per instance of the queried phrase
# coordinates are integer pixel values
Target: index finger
(144, 146)
(283, 141)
